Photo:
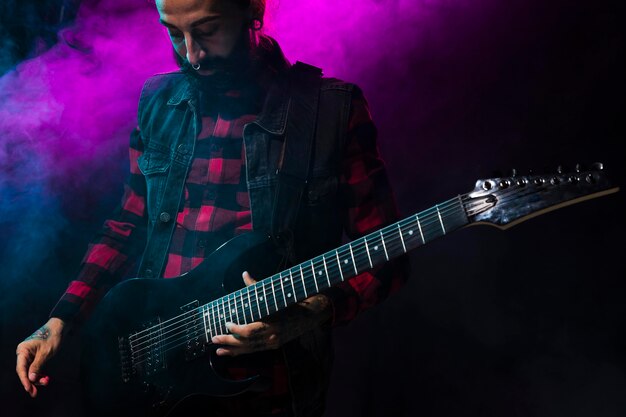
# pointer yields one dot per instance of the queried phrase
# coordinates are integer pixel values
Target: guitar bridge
(126, 359)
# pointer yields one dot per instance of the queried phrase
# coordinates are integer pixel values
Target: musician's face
(204, 32)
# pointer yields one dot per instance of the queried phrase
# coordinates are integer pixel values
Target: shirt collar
(273, 116)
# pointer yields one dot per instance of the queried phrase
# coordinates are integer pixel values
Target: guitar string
(395, 241)
(172, 344)
(199, 330)
(188, 327)
(360, 255)
(267, 285)
(185, 329)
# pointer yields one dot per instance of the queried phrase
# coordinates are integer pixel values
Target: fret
(293, 289)
(243, 311)
(456, 217)
(232, 302)
(274, 294)
(382, 239)
(401, 237)
(339, 264)
(207, 323)
(317, 288)
(248, 305)
(440, 219)
(361, 255)
(352, 255)
(303, 283)
(218, 330)
(204, 321)
(326, 269)
(267, 307)
(230, 310)
(295, 292)
(377, 255)
(282, 288)
(419, 226)
(256, 298)
(236, 308)
(209, 319)
(223, 317)
(367, 250)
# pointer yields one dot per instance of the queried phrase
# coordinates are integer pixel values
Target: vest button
(148, 273)
(165, 217)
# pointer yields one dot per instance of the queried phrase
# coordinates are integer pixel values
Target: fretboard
(297, 283)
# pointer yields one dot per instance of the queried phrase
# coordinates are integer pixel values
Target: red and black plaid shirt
(216, 200)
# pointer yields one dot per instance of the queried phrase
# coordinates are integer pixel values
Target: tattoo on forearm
(42, 334)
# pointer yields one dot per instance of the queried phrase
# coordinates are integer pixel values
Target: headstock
(506, 201)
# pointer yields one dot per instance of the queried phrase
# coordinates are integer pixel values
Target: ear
(256, 10)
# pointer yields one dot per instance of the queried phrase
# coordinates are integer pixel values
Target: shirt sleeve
(114, 250)
(369, 204)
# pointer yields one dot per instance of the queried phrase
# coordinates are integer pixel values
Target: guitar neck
(299, 282)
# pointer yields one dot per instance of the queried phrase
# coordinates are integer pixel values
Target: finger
(34, 372)
(228, 340)
(22, 371)
(247, 330)
(231, 351)
(247, 279)
(240, 350)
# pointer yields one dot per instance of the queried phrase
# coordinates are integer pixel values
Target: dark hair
(257, 6)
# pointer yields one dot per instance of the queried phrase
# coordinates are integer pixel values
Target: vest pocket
(154, 165)
(153, 162)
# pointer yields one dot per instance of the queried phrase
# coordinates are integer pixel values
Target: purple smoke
(66, 114)
(507, 324)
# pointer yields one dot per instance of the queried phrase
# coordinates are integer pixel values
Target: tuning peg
(513, 172)
(598, 166)
(578, 167)
(559, 169)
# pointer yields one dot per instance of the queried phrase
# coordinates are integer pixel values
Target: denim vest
(169, 122)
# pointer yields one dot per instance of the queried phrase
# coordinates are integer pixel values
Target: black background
(527, 322)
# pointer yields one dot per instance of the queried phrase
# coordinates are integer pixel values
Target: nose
(195, 53)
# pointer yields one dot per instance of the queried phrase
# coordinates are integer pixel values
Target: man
(233, 77)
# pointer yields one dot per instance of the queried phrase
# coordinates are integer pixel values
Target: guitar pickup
(195, 346)
(148, 348)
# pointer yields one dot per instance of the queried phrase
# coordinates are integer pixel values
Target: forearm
(114, 251)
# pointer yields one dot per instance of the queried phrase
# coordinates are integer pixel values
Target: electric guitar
(149, 341)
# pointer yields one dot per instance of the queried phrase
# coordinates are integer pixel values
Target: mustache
(214, 63)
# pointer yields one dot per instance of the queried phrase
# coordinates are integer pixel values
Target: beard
(234, 70)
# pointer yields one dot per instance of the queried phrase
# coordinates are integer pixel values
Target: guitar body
(167, 375)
